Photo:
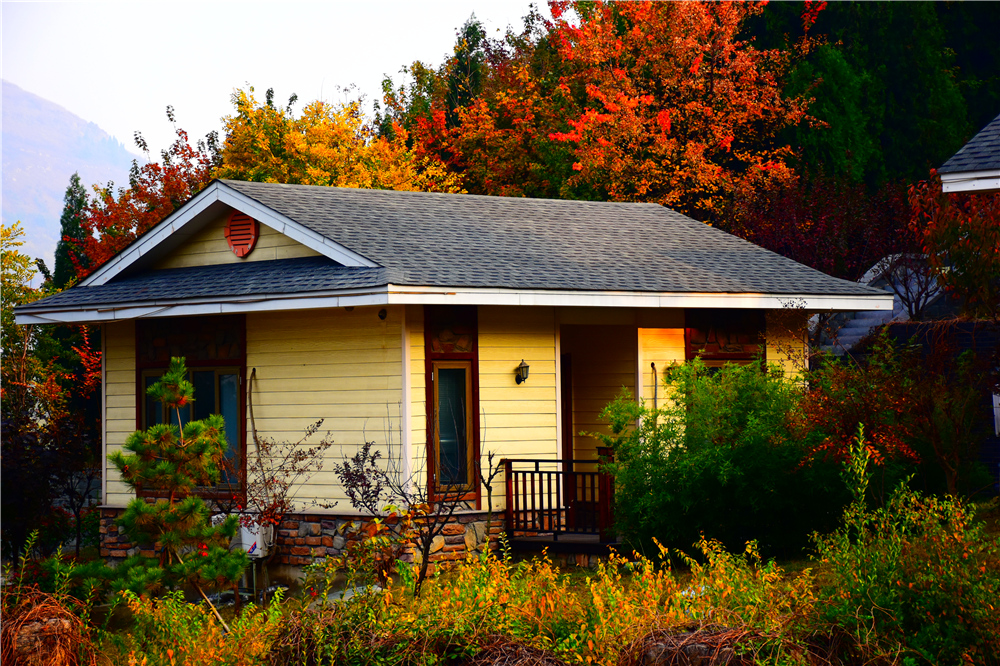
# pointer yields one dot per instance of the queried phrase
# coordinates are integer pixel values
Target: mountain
(43, 144)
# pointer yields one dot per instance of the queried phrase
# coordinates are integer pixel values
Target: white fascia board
(190, 308)
(467, 296)
(173, 226)
(407, 295)
(977, 182)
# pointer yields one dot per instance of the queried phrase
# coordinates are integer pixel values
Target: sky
(119, 64)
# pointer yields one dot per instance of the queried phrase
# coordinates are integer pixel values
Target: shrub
(42, 627)
(176, 462)
(919, 572)
(922, 409)
(717, 459)
(168, 631)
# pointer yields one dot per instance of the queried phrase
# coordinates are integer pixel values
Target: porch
(563, 505)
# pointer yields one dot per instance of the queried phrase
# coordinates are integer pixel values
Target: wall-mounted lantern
(521, 372)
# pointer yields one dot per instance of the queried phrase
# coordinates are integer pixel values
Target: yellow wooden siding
(418, 392)
(787, 341)
(209, 246)
(664, 347)
(341, 366)
(517, 420)
(603, 362)
(119, 415)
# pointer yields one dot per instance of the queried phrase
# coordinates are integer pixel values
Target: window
(213, 349)
(996, 414)
(451, 346)
(452, 413)
(216, 391)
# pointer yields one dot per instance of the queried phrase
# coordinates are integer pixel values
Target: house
(976, 167)
(448, 325)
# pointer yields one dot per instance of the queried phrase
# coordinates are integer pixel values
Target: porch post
(508, 473)
(606, 488)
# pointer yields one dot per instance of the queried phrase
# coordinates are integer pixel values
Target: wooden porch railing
(560, 497)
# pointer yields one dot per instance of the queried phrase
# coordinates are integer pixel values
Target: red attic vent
(242, 232)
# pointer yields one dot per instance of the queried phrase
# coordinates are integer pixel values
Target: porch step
(573, 544)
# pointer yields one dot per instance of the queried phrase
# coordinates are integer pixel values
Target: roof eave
(428, 295)
(976, 182)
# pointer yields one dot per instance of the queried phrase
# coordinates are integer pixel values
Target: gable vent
(241, 233)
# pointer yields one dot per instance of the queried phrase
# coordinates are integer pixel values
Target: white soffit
(188, 220)
(976, 182)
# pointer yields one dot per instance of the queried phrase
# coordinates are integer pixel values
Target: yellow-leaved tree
(327, 144)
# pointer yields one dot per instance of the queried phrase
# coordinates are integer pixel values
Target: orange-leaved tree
(658, 102)
(961, 236)
(327, 144)
(677, 108)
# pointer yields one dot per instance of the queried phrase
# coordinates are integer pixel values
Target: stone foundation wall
(305, 538)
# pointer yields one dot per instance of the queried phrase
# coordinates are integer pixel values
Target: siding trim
(405, 408)
(557, 334)
(104, 415)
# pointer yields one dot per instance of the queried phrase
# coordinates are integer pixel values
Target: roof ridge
(489, 197)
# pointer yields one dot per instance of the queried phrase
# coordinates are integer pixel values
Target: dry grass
(707, 645)
(38, 630)
(501, 651)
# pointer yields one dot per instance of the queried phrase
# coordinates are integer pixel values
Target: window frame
(146, 368)
(470, 484)
(437, 318)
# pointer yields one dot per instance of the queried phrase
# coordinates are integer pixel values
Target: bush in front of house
(718, 459)
(175, 462)
(919, 573)
(922, 408)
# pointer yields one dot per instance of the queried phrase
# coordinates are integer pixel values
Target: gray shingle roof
(254, 278)
(448, 240)
(982, 153)
(478, 241)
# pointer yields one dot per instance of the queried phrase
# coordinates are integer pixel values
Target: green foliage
(919, 573)
(717, 459)
(71, 231)
(890, 103)
(49, 424)
(840, 144)
(175, 462)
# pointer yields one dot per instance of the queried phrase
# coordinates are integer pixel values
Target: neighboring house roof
(394, 247)
(976, 167)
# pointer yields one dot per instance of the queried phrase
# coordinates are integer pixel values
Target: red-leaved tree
(831, 224)
(156, 189)
(961, 236)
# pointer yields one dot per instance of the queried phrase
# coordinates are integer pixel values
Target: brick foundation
(305, 538)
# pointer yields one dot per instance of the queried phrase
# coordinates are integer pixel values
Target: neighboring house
(976, 167)
(973, 169)
(404, 317)
(915, 292)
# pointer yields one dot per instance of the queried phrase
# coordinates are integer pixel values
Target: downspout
(656, 384)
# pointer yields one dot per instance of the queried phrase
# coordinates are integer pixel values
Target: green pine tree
(71, 231)
(175, 462)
